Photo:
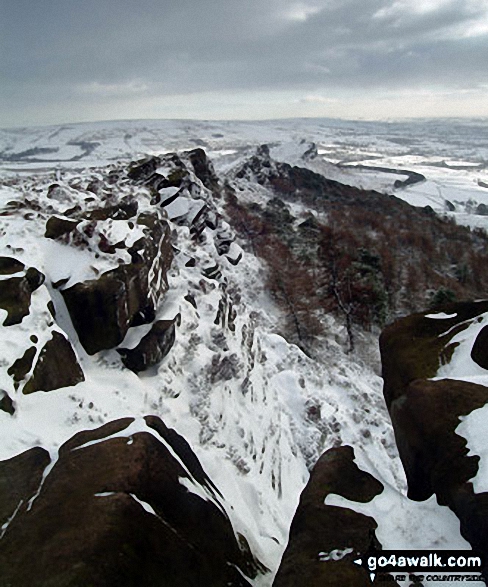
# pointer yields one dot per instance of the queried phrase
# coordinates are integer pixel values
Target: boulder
(123, 210)
(123, 506)
(416, 346)
(319, 529)
(152, 348)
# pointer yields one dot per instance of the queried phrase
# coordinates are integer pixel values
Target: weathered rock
(123, 210)
(479, 352)
(317, 527)
(212, 272)
(6, 403)
(20, 367)
(20, 477)
(103, 309)
(152, 348)
(9, 265)
(60, 228)
(425, 413)
(57, 192)
(16, 292)
(125, 511)
(224, 368)
(56, 367)
(140, 171)
(416, 346)
(204, 170)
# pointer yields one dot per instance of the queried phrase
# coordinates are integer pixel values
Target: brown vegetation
(370, 259)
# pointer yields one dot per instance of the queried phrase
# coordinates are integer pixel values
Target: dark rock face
(415, 347)
(19, 368)
(58, 227)
(425, 413)
(479, 352)
(6, 403)
(204, 169)
(16, 292)
(102, 310)
(120, 510)
(9, 265)
(56, 367)
(152, 348)
(141, 170)
(317, 527)
(20, 477)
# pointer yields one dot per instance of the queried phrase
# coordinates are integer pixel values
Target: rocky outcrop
(126, 504)
(103, 309)
(20, 477)
(325, 540)
(152, 348)
(416, 346)
(204, 170)
(425, 413)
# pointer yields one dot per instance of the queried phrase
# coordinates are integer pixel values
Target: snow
(404, 524)
(335, 555)
(440, 316)
(473, 429)
(178, 207)
(146, 506)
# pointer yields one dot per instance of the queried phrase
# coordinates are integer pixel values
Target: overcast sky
(77, 60)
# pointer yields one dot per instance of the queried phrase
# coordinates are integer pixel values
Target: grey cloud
(65, 47)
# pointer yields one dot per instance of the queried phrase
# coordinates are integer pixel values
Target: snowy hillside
(451, 154)
(140, 271)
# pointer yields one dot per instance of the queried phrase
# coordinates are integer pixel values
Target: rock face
(319, 530)
(425, 413)
(19, 479)
(126, 504)
(103, 309)
(16, 292)
(479, 352)
(152, 348)
(56, 367)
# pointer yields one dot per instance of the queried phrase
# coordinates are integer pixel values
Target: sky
(73, 61)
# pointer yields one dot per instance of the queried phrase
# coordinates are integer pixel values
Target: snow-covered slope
(451, 153)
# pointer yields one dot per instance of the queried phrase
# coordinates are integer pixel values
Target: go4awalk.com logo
(438, 565)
